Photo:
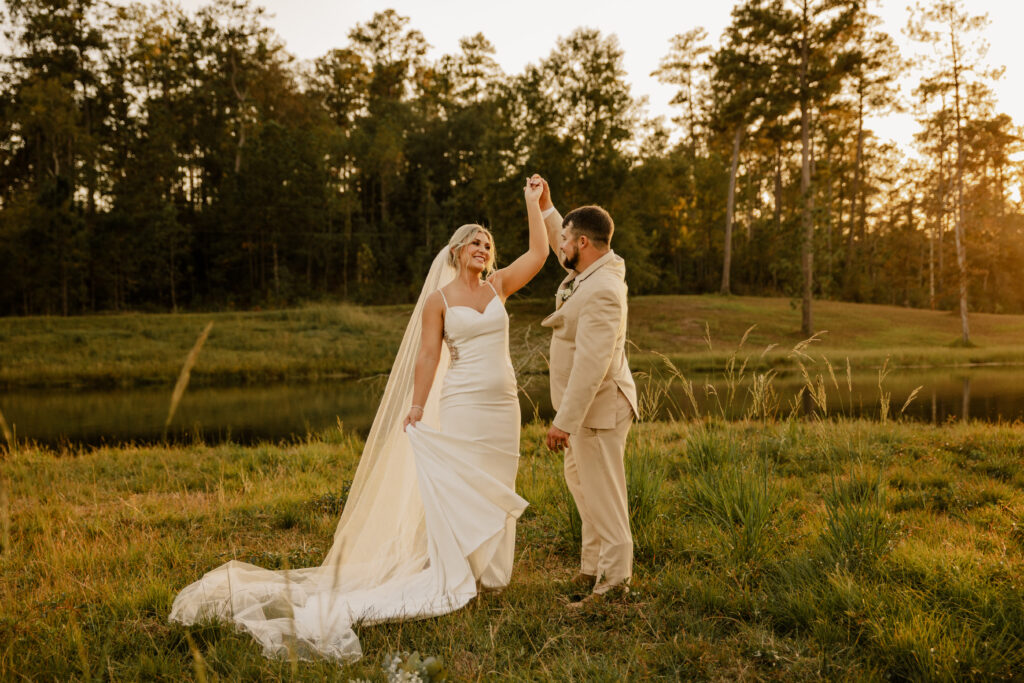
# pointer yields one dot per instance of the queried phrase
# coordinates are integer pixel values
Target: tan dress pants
(596, 475)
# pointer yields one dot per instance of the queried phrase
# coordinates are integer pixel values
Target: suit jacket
(588, 363)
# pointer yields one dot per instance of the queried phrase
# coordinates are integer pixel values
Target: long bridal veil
(380, 541)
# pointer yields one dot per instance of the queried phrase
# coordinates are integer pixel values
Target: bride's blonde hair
(463, 236)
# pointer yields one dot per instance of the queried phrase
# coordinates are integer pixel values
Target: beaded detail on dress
(453, 350)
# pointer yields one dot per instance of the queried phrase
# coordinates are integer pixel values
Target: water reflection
(242, 414)
(965, 410)
(254, 413)
(991, 394)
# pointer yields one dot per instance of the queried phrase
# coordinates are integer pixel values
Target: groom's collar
(593, 267)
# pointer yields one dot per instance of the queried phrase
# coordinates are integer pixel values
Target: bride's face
(475, 256)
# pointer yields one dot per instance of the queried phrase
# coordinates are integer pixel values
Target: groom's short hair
(592, 221)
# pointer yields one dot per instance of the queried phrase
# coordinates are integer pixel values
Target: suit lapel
(573, 280)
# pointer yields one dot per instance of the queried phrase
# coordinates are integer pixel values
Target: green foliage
(571, 525)
(645, 482)
(858, 531)
(100, 542)
(741, 501)
(330, 503)
(164, 159)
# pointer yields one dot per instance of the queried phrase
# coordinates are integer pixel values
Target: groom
(592, 389)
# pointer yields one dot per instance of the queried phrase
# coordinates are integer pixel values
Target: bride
(430, 517)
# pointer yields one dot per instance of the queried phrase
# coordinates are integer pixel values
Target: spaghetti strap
(443, 298)
(492, 288)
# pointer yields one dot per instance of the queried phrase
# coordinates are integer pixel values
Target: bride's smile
(478, 252)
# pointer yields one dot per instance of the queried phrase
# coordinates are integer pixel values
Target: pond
(249, 414)
(933, 395)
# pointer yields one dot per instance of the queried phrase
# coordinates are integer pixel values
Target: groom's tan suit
(593, 393)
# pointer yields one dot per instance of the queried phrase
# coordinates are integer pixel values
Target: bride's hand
(414, 416)
(533, 189)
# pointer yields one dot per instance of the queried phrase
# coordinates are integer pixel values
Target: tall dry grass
(745, 391)
(8, 434)
(186, 373)
(756, 542)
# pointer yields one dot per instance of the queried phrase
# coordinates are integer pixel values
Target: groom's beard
(570, 261)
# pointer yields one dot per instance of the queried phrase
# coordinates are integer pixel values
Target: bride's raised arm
(514, 277)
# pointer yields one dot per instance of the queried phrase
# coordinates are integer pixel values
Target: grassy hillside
(792, 551)
(324, 341)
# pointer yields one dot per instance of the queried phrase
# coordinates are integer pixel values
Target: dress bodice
(478, 344)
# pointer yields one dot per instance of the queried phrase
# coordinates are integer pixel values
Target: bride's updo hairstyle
(463, 236)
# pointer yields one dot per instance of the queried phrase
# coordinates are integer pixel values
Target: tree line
(157, 159)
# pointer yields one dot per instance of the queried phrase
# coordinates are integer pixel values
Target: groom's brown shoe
(615, 594)
(581, 584)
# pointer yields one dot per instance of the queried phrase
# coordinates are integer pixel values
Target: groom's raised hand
(557, 439)
(545, 195)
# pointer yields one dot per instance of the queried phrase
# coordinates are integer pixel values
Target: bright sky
(525, 32)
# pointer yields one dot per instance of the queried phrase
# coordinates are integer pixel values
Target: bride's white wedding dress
(431, 512)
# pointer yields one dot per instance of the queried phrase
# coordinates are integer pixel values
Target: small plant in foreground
(858, 531)
(645, 474)
(742, 502)
(403, 667)
(330, 503)
(1017, 530)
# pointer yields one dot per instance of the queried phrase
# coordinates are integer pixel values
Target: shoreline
(199, 378)
(338, 342)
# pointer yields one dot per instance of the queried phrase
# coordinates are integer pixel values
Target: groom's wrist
(561, 424)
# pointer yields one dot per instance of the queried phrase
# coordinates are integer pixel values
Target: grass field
(779, 551)
(330, 341)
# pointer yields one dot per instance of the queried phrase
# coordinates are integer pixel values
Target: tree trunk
(64, 288)
(241, 96)
(857, 190)
(753, 196)
(829, 254)
(277, 273)
(931, 267)
(778, 187)
(238, 150)
(348, 240)
(958, 227)
(807, 251)
(961, 257)
(174, 291)
(730, 209)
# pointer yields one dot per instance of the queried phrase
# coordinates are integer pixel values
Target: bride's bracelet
(420, 407)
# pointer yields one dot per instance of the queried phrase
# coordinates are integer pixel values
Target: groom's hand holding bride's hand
(533, 189)
(557, 439)
(545, 195)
